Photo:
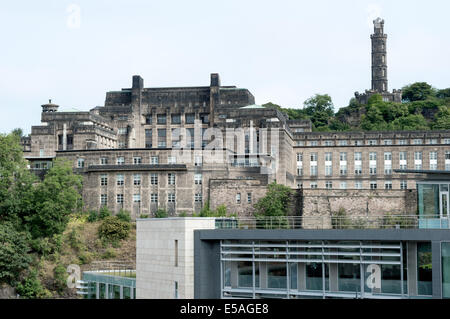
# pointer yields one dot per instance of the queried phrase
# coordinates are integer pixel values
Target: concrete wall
(156, 272)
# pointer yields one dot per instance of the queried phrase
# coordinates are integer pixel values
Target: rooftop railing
(387, 221)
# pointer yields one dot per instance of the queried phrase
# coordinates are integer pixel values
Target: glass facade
(445, 254)
(326, 269)
(102, 285)
(433, 204)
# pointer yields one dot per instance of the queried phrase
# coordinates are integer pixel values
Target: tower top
(378, 24)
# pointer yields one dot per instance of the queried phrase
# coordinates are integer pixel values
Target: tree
(442, 119)
(418, 91)
(444, 93)
(16, 182)
(55, 199)
(275, 202)
(319, 103)
(13, 253)
(18, 132)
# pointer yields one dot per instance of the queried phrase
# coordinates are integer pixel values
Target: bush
(14, 255)
(32, 287)
(104, 212)
(161, 213)
(271, 222)
(86, 257)
(144, 216)
(93, 216)
(109, 254)
(124, 215)
(60, 277)
(114, 229)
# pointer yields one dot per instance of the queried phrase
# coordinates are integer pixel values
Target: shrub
(86, 257)
(124, 215)
(271, 222)
(113, 229)
(93, 216)
(32, 287)
(60, 277)
(109, 254)
(144, 216)
(161, 213)
(104, 212)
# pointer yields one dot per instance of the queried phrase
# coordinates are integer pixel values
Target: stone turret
(379, 62)
(49, 107)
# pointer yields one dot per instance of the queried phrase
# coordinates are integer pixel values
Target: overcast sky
(282, 51)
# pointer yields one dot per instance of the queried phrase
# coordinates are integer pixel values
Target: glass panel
(349, 277)
(424, 269)
(245, 274)
(446, 270)
(102, 291)
(126, 293)
(314, 276)
(428, 200)
(293, 275)
(444, 202)
(276, 276)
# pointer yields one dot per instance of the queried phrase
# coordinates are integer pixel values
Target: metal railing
(113, 268)
(330, 221)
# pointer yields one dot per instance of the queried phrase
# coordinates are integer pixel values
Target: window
(313, 157)
(119, 198)
(358, 142)
(446, 140)
(171, 198)
(433, 156)
(153, 179)
(122, 131)
(418, 156)
(198, 161)
(387, 142)
(148, 119)
(358, 169)
(119, 179)
(103, 179)
(328, 185)
(122, 144)
(328, 143)
(80, 163)
(148, 138)
(103, 161)
(249, 198)
(343, 170)
(41, 152)
(432, 141)
(136, 198)
(103, 199)
(161, 119)
(313, 143)
(358, 156)
(238, 198)
(403, 156)
(328, 170)
(198, 197)
(372, 156)
(343, 157)
(190, 118)
(388, 185)
(373, 185)
(343, 185)
(137, 179)
(176, 118)
(402, 142)
(162, 137)
(372, 142)
(198, 179)
(171, 179)
(313, 185)
(176, 258)
(153, 197)
(387, 169)
(388, 156)
(358, 185)
(204, 118)
(403, 184)
(313, 170)
(342, 143)
(171, 160)
(120, 160)
(328, 157)
(300, 171)
(299, 157)
(154, 160)
(137, 160)
(417, 141)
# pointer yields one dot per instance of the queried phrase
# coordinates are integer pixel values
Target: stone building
(178, 148)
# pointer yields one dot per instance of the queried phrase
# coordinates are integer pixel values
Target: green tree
(18, 132)
(418, 91)
(275, 202)
(442, 119)
(16, 182)
(444, 93)
(55, 199)
(14, 255)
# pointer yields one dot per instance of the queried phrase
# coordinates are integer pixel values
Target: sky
(284, 52)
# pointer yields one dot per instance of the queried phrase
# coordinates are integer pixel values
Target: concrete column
(234, 274)
(333, 277)
(263, 275)
(301, 276)
(412, 268)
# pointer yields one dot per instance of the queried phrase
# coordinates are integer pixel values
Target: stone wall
(318, 204)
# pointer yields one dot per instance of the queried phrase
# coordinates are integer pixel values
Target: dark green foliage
(206, 211)
(104, 212)
(124, 215)
(93, 216)
(14, 255)
(55, 199)
(418, 91)
(276, 201)
(32, 287)
(443, 94)
(114, 229)
(161, 213)
(60, 277)
(144, 216)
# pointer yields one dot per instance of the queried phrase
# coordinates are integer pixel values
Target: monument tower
(379, 68)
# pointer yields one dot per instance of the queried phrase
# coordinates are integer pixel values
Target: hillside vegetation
(423, 108)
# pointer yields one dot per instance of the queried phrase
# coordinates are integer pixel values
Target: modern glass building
(108, 285)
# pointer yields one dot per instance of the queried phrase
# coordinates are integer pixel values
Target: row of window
(372, 156)
(238, 198)
(357, 185)
(198, 198)
(137, 179)
(154, 160)
(417, 141)
(189, 118)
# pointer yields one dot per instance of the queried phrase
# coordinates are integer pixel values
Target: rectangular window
(372, 142)
(136, 198)
(343, 170)
(176, 118)
(402, 142)
(358, 169)
(403, 184)
(417, 141)
(190, 118)
(328, 143)
(418, 156)
(154, 160)
(373, 185)
(299, 157)
(358, 156)
(403, 156)
(358, 185)
(122, 131)
(153, 197)
(328, 170)
(161, 119)
(176, 253)
(313, 157)
(328, 157)
(372, 156)
(119, 198)
(148, 119)
(80, 163)
(103, 199)
(342, 143)
(171, 178)
(120, 179)
(387, 169)
(343, 156)
(343, 185)
(387, 142)
(238, 198)
(198, 161)
(171, 160)
(120, 160)
(103, 161)
(388, 156)
(313, 185)
(153, 179)
(249, 198)
(313, 143)
(313, 170)
(171, 198)
(198, 198)
(148, 138)
(198, 179)
(137, 179)
(137, 160)
(103, 179)
(328, 185)
(161, 137)
(388, 185)
(358, 142)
